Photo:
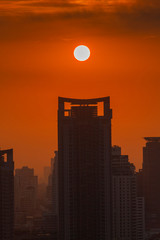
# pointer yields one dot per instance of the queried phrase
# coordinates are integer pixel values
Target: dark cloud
(94, 17)
(63, 7)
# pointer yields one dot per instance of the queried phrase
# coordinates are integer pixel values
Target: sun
(81, 53)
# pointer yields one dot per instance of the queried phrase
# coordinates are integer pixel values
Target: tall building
(140, 218)
(140, 183)
(47, 172)
(26, 184)
(55, 193)
(84, 169)
(52, 187)
(55, 183)
(49, 215)
(151, 182)
(6, 194)
(128, 208)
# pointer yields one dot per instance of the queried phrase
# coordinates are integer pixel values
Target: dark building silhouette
(151, 182)
(25, 190)
(128, 207)
(50, 216)
(6, 194)
(140, 183)
(84, 169)
(55, 184)
(52, 187)
(47, 173)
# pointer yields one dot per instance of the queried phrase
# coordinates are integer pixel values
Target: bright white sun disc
(81, 53)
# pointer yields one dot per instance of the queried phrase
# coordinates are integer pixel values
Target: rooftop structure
(152, 139)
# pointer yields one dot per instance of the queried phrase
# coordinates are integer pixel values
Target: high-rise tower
(128, 207)
(25, 186)
(84, 169)
(6, 194)
(151, 182)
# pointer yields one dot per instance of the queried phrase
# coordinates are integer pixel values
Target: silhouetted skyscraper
(128, 208)
(84, 169)
(151, 182)
(26, 184)
(52, 195)
(47, 173)
(55, 183)
(6, 194)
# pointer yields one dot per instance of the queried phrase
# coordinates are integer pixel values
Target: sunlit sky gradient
(37, 39)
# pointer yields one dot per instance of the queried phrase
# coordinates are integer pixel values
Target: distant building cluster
(90, 191)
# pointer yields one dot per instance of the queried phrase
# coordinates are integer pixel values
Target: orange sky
(37, 39)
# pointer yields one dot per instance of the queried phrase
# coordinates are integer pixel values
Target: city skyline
(79, 124)
(37, 65)
(90, 189)
(49, 154)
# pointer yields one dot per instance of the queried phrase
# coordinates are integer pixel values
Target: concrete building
(128, 208)
(52, 187)
(84, 169)
(140, 219)
(49, 213)
(47, 173)
(6, 194)
(26, 184)
(151, 182)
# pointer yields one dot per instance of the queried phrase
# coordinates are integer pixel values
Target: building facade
(84, 169)
(128, 207)
(50, 216)
(55, 183)
(151, 182)
(25, 184)
(6, 194)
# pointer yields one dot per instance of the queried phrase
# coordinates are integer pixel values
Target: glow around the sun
(81, 53)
